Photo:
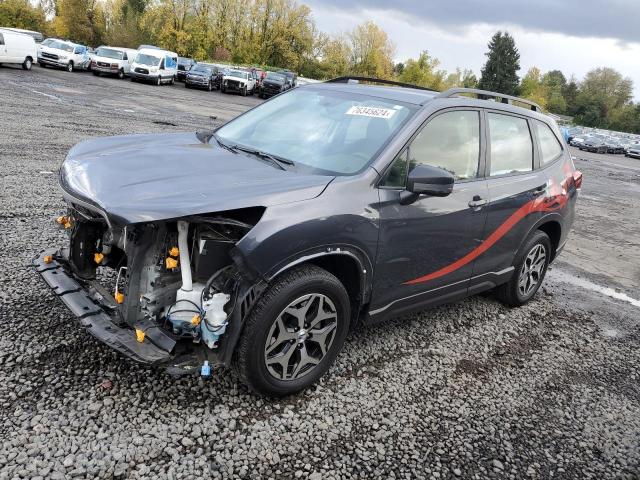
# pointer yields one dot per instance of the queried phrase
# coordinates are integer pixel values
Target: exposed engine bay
(174, 283)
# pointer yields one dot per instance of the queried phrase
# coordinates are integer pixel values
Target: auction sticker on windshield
(374, 112)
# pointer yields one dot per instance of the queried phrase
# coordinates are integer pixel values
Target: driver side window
(450, 141)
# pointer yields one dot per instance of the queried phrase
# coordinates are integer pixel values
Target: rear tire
(295, 357)
(531, 263)
(27, 64)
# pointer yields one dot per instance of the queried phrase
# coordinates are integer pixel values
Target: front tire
(294, 332)
(121, 74)
(159, 81)
(70, 67)
(531, 265)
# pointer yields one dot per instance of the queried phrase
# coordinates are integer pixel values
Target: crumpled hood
(142, 178)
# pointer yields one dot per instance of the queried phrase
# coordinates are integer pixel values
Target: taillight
(577, 179)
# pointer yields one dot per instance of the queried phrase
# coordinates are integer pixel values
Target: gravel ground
(472, 390)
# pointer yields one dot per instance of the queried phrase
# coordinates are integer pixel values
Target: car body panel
(173, 175)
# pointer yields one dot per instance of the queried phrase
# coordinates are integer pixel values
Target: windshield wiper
(277, 161)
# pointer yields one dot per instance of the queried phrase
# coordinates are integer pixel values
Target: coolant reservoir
(215, 319)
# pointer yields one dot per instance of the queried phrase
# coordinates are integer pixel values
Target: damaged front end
(170, 293)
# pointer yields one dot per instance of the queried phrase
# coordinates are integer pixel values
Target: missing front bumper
(99, 323)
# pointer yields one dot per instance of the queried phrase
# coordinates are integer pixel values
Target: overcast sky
(570, 35)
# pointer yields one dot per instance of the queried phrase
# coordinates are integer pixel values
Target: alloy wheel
(300, 337)
(532, 270)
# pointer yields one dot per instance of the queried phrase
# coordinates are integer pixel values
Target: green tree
(500, 72)
(533, 88)
(555, 83)
(21, 14)
(424, 71)
(570, 94)
(80, 20)
(371, 51)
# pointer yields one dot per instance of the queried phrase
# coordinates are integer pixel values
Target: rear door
(425, 252)
(514, 183)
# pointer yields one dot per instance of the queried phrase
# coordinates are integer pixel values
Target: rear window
(511, 144)
(550, 147)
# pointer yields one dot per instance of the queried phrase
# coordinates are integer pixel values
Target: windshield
(275, 77)
(202, 69)
(329, 131)
(145, 59)
(237, 73)
(62, 46)
(48, 41)
(109, 53)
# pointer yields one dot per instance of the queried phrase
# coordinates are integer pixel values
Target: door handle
(540, 190)
(478, 202)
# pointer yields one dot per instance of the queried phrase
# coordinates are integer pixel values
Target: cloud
(615, 19)
(465, 46)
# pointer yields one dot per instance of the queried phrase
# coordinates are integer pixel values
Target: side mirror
(427, 180)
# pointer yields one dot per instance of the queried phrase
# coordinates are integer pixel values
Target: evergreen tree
(499, 74)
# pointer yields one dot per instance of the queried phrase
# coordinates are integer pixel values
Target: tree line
(282, 33)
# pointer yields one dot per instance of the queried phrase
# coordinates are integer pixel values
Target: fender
(365, 266)
(549, 217)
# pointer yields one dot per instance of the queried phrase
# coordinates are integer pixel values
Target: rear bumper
(99, 322)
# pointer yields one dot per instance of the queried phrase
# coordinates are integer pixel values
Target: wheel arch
(550, 224)
(348, 264)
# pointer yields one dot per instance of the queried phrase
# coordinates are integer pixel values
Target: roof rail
(381, 81)
(485, 94)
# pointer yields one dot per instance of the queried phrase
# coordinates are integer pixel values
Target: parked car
(37, 36)
(113, 61)
(204, 75)
(613, 145)
(273, 84)
(184, 65)
(61, 53)
(239, 81)
(576, 141)
(17, 48)
(154, 65)
(633, 151)
(292, 78)
(594, 143)
(259, 244)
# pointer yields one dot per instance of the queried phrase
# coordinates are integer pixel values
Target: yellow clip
(119, 297)
(139, 335)
(98, 257)
(174, 251)
(64, 220)
(171, 263)
(48, 258)
(195, 321)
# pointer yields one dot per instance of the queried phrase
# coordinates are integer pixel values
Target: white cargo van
(17, 48)
(155, 65)
(113, 61)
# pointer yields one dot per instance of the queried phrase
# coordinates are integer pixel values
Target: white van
(155, 65)
(17, 48)
(112, 61)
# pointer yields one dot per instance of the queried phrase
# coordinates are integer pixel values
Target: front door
(426, 249)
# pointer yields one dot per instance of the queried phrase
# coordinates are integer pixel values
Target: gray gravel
(472, 390)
